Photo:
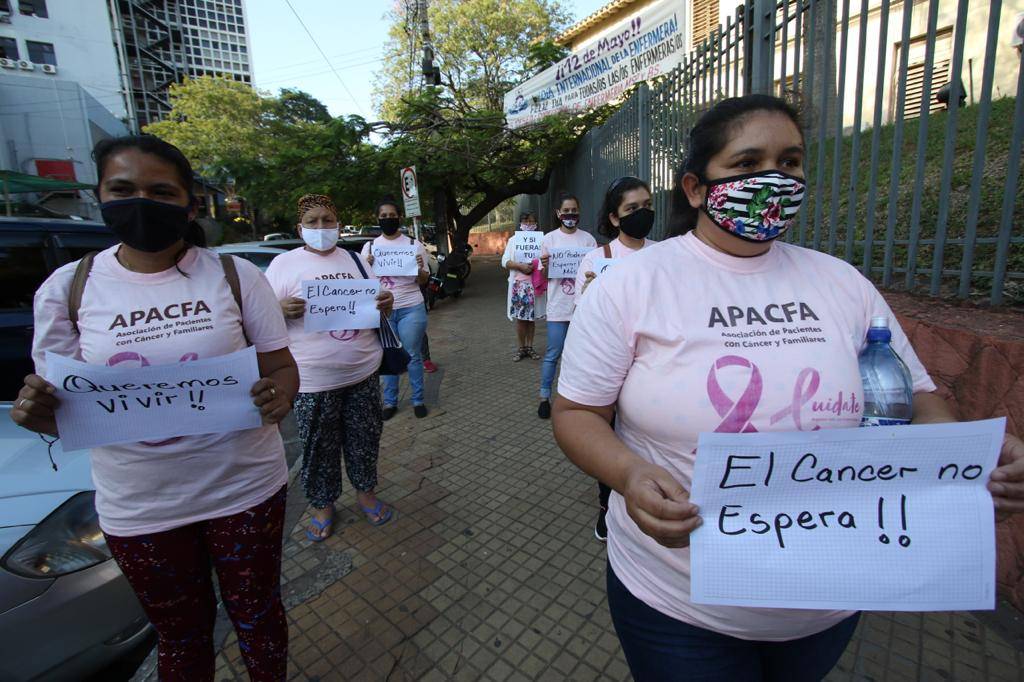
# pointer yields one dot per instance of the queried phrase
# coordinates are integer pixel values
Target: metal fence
(920, 196)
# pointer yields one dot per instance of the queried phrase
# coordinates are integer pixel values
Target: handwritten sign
(602, 264)
(395, 261)
(893, 518)
(102, 405)
(340, 304)
(564, 261)
(526, 246)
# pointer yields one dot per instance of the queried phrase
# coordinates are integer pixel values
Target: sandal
(383, 514)
(519, 354)
(321, 526)
(531, 353)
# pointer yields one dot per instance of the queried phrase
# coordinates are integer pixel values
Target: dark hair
(563, 197)
(149, 144)
(387, 201)
(708, 137)
(612, 201)
(526, 214)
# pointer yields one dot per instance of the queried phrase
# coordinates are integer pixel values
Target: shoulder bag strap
(359, 262)
(386, 333)
(227, 261)
(78, 287)
(608, 250)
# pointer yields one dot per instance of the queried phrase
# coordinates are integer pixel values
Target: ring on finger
(21, 403)
(273, 392)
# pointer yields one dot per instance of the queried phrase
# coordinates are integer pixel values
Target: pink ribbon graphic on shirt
(569, 286)
(387, 282)
(345, 335)
(807, 383)
(735, 415)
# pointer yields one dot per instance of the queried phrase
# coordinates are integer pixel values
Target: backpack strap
(608, 250)
(227, 261)
(78, 287)
(359, 264)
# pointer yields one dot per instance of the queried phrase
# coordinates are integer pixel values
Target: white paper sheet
(102, 405)
(564, 261)
(923, 539)
(340, 304)
(526, 246)
(395, 261)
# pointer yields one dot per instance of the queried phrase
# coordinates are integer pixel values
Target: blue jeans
(410, 324)
(662, 649)
(556, 341)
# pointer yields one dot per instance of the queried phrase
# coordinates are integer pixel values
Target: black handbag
(396, 359)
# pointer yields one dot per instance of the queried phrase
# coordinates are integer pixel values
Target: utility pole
(432, 77)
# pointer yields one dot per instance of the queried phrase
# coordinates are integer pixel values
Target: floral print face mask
(757, 207)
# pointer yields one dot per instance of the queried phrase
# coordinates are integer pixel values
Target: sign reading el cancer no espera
(893, 518)
(642, 46)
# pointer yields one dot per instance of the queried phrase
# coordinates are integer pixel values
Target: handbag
(395, 360)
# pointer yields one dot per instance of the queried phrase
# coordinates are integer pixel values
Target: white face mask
(320, 240)
(527, 227)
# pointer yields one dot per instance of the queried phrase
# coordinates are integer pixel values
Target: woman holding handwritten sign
(522, 304)
(626, 218)
(338, 408)
(409, 317)
(172, 508)
(561, 297)
(723, 329)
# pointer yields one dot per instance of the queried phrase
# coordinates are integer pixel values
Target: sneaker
(429, 367)
(544, 409)
(420, 411)
(601, 528)
(389, 412)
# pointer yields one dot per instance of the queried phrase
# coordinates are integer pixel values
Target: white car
(66, 611)
(258, 253)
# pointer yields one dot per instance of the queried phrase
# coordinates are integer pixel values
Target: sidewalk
(491, 570)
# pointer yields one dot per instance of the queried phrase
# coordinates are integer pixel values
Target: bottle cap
(880, 322)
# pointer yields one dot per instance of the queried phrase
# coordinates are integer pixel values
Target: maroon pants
(170, 573)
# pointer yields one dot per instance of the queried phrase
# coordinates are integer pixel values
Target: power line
(284, 67)
(310, 74)
(324, 55)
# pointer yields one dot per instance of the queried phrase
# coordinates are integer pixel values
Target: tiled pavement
(491, 570)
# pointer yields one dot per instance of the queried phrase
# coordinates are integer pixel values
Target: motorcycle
(452, 272)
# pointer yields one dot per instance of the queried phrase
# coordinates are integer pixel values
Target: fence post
(644, 127)
(758, 49)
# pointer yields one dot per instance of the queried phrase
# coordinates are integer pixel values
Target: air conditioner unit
(26, 65)
(8, 63)
(49, 68)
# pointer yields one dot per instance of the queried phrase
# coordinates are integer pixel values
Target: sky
(351, 33)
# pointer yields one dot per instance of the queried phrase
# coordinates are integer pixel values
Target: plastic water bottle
(888, 389)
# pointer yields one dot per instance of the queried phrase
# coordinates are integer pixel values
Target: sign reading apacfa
(410, 192)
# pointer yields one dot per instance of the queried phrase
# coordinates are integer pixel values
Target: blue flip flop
(376, 511)
(320, 525)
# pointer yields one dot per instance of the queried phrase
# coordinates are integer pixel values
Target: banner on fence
(102, 405)
(893, 518)
(642, 46)
(343, 304)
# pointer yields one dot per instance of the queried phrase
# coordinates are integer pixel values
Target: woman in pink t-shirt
(522, 304)
(338, 408)
(170, 509)
(409, 317)
(651, 346)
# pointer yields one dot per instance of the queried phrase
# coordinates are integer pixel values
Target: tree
(301, 106)
(456, 133)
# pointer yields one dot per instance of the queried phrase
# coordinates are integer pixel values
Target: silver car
(66, 611)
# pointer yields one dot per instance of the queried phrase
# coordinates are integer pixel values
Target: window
(22, 270)
(705, 19)
(915, 73)
(33, 8)
(41, 53)
(9, 48)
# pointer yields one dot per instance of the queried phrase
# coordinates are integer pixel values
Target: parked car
(255, 253)
(274, 236)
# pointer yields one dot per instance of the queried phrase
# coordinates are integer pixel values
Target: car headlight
(67, 540)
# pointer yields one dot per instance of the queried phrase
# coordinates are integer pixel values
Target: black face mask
(637, 224)
(144, 224)
(389, 225)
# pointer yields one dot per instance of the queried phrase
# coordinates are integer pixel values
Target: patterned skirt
(522, 301)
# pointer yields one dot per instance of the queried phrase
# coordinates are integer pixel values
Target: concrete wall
(83, 44)
(489, 243)
(977, 359)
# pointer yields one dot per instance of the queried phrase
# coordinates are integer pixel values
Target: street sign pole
(411, 197)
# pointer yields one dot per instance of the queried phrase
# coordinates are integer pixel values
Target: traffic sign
(410, 192)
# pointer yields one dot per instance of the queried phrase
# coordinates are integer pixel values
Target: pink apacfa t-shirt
(130, 319)
(562, 293)
(654, 332)
(327, 360)
(406, 289)
(617, 249)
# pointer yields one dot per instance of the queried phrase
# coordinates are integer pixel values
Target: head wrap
(308, 201)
